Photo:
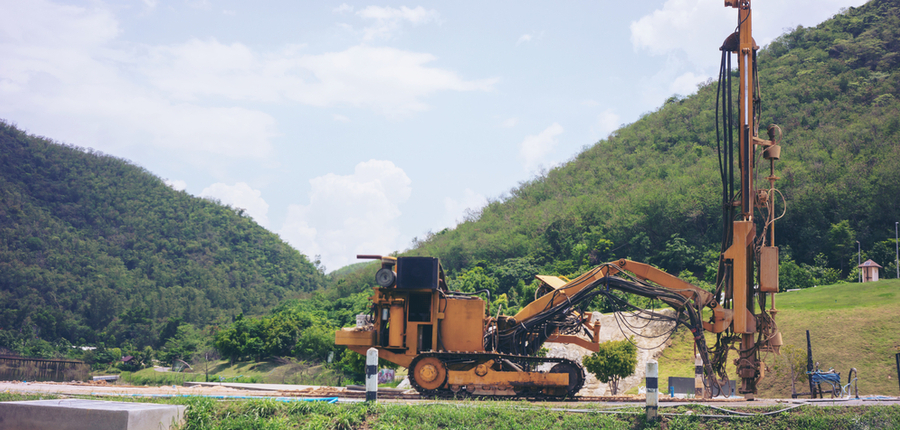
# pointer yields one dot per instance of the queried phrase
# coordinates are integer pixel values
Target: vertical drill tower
(751, 257)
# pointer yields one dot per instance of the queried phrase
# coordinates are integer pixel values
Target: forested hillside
(652, 191)
(96, 249)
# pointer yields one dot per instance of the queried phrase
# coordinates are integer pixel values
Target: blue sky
(353, 127)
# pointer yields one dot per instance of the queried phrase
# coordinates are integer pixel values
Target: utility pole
(858, 262)
(896, 250)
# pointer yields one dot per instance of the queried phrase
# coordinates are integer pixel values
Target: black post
(898, 367)
(809, 366)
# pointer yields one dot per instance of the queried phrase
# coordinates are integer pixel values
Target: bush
(615, 360)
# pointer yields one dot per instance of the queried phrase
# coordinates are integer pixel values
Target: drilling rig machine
(450, 345)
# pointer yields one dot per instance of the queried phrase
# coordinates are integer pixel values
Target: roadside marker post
(698, 378)
(372, 375)
(652, 390)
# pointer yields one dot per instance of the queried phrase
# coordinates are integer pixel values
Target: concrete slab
(77, 414)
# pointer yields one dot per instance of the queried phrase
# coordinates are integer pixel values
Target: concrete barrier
(76, 414)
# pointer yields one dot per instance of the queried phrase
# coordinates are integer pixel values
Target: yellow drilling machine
(451, 346)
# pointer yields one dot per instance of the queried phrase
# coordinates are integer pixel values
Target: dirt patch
(649, 335)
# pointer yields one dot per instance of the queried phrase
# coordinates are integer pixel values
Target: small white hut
(869, 271)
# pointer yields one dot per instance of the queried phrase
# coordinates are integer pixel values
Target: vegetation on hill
(96, 249)
(651, 191)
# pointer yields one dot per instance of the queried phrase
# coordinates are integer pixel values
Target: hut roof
(870, 263)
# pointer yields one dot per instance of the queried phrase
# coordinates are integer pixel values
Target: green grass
(208, 414)
(270, 372)
(851, 325)
(152, 378)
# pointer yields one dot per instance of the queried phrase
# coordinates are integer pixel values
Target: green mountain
(652, 191)
(94, 248)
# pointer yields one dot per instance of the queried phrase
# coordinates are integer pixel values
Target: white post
(652, 390)
(372, 375)
(698, 377)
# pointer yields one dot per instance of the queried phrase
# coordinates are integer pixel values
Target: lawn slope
(850, 325)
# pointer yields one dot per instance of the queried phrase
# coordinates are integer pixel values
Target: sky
(356, 127)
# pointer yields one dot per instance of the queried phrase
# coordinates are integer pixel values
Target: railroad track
(394, 394)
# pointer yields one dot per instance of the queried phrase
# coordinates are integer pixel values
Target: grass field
(850, 325)
(281, 371)
(208, 414)
(271, 372)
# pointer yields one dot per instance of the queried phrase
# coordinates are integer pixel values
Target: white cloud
(686, 84)
(387, 80)
(199, 4)
(387, 22)
(344, 7)
(350, 214)
(534, 149)
(695, 28)
(770, 19)
(456, 210)
(176, 184)
(240, 195)
(340, 118)
(607, 122)
(672, 78)
(528, 37)
(41, 24)
(66, 67)
(510, 123)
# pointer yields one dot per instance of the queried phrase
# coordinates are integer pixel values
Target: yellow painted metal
(700, 297)
(575, 340)
(397, 324)
(644, 271)
(554, 281)
(768, 269)
(550, 300)
(462, 327)
(508, 378)
(401, 359)
(430, 373)
(721, 320)
(742, 278)
(351, 336)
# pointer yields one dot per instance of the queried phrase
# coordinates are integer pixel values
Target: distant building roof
(870, 263)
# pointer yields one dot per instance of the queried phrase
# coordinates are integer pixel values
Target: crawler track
(456, 360)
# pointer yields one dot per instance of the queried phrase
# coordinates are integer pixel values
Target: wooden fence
(42, 369)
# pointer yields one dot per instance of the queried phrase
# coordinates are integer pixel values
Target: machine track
(430, 379)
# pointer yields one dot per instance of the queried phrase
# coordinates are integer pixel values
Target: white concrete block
(77, 414)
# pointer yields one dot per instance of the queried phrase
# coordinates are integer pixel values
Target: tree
(353, 365)
(182, 345)
(842, 242)
(315, 343)
(796, 359)
(615, 360)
